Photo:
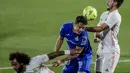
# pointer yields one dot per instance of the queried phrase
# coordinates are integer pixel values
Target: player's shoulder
(104, 13)
(67, 25)
(85, 33)
(115, 15)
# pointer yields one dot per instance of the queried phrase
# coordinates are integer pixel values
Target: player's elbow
(103, 27)
(99, 29)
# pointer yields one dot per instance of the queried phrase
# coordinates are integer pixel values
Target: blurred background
(32, 26)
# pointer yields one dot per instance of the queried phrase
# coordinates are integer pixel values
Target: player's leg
(85, 64)
(117, 56)
(70, 68)
(99, 60)
(110, 62)
(99, 63)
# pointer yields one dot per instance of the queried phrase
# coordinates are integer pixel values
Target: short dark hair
(119, 3)
(20, 57)
(81, 19)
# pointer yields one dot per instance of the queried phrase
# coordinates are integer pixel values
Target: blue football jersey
(74, 39)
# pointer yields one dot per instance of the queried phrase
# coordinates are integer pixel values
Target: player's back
(36, 65)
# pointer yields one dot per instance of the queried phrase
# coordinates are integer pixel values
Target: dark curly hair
(81, 19)
(119, 3)
(20, 57)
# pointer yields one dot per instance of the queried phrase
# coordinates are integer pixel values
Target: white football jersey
(110, 42)
(36, 65)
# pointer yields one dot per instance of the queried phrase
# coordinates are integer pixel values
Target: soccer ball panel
(90, 12)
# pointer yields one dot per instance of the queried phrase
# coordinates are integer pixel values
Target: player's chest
(104, 17)
(73, 38)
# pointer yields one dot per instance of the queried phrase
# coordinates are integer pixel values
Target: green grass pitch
(32, 26)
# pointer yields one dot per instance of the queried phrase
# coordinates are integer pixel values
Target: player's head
(119, 3)
(114, 3)
(80, 24)
(19, 60)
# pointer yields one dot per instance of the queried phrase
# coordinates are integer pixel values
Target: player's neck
(74, 31)
(113, 9)
(24, 68)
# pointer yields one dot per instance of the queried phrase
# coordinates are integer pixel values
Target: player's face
(78, 28)
(110, 4)
(16, 65)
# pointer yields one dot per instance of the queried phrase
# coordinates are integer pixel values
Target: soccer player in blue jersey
(77, 39)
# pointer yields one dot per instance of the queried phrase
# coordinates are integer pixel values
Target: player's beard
(20, 70)
(109, 7)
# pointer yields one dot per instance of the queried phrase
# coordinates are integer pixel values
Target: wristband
(67, 52)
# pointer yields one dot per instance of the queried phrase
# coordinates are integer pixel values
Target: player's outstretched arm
(97, 28)
(78, 50)
(45, 57)
(55, 54)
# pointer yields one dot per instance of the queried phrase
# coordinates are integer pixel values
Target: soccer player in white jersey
(22, 63)
(107, 31)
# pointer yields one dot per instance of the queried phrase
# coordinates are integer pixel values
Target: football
(90, 13)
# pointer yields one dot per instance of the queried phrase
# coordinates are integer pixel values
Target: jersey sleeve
(62, 31)
(99, 23)
(111, 20)
(40, 59)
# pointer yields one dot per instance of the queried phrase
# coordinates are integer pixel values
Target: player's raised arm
(97, 28)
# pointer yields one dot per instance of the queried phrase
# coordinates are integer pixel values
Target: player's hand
(96, 40)
(57, 63)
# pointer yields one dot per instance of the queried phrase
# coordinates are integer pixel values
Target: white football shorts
(106, 62)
